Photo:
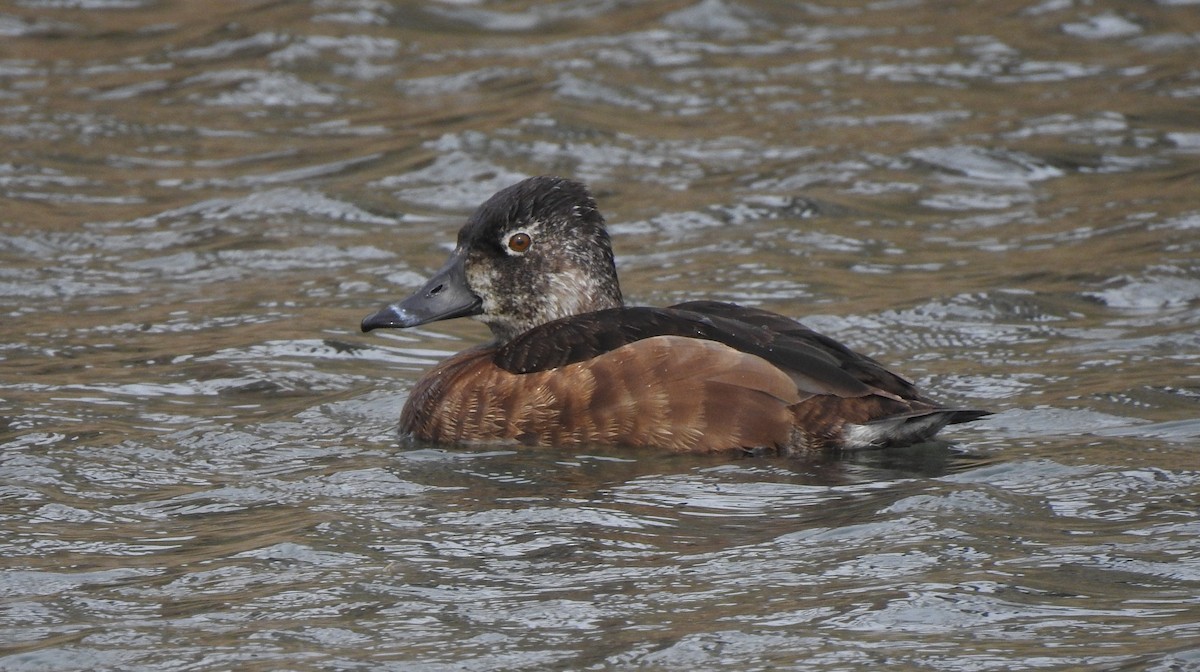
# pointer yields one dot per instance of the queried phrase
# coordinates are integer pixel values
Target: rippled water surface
(198, 461)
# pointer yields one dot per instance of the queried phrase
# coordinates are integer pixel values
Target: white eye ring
(519, 243)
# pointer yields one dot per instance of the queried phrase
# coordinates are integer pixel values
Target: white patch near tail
(897, 430)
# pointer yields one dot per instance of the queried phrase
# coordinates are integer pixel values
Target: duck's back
(697, 377)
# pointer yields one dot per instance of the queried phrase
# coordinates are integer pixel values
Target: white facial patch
(570, 293)
(483, 280)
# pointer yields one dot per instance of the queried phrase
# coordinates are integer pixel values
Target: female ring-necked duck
(572, 365)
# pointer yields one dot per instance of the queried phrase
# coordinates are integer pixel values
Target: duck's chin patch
(505, 329)
(509, 318)
(513, 306)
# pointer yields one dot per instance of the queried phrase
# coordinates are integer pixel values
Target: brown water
(198, 461)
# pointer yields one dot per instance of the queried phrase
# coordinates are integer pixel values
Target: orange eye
(519, 242)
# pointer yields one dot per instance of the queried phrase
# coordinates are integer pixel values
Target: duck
(572, 365)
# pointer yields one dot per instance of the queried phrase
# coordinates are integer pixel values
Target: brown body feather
(673, 392)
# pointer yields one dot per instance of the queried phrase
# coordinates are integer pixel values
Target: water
(198, 461)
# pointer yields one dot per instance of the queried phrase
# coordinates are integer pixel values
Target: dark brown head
(534, 252)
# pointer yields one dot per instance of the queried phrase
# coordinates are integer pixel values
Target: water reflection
(198, 466)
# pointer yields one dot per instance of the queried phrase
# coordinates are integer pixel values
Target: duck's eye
(519, 242)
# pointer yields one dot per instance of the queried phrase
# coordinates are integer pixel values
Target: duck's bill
(445, 296)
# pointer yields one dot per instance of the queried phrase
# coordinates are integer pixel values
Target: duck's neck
(566, 294)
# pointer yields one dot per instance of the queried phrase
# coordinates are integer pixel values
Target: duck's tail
(909, 428)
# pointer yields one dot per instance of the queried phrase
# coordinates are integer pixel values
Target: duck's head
(534, 252)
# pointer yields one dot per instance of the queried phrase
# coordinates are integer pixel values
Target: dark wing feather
(818, 365)
(861, 367)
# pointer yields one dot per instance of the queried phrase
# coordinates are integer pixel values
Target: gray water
(199, 467)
